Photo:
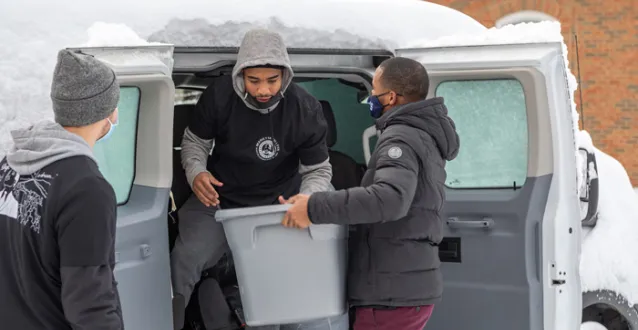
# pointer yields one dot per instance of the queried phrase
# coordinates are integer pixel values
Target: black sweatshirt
(57, 235)
(256, 155)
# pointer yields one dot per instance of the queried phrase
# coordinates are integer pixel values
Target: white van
(513, 214)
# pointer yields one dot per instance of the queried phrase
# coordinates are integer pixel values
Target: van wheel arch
(609, 309)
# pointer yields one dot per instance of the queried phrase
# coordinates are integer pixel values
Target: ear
(394, 98)
(114, 116)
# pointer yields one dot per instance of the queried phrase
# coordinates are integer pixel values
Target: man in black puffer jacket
(394, 278)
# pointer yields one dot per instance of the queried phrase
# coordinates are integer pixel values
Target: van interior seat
(346, 172)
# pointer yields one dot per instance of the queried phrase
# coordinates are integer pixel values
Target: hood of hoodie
(261, 47)
(430, 116)
(42, 144)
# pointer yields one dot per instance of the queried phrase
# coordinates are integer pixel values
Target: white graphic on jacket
(22, 197)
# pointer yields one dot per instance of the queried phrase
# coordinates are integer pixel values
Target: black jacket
(397, 212)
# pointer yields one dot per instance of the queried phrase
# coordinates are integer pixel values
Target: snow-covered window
(116, 156)
(524, 16)
(491, 120)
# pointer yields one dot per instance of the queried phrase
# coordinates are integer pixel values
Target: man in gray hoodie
(270, 140)
(58, 213)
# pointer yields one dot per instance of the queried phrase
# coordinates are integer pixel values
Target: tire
(610, 310)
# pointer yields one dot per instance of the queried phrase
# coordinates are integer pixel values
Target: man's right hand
(204, 190)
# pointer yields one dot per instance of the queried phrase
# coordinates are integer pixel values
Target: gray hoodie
(259, 47)
(42, 144)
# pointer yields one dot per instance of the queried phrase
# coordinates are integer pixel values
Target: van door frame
(556, 268)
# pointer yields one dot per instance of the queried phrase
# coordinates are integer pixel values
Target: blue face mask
(376, 108)
(109, 133)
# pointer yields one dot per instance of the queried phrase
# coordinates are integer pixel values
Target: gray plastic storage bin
(286, 275)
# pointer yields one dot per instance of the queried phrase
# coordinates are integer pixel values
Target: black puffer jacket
(397, 210)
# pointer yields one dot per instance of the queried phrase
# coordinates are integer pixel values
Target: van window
(491, 120)
(116, 156)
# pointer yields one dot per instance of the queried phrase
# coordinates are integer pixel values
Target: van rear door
(136, 160)
(512, 223)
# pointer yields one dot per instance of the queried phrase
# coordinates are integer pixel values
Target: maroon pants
(399, 318)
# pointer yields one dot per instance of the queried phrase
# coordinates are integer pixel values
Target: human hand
(297, 214)
(204, 190)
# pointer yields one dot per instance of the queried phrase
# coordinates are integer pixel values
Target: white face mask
(110, 131)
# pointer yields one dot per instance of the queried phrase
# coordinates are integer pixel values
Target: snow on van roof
(34, 30)
(541, 32)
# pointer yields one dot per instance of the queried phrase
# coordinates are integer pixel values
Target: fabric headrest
(331, 139)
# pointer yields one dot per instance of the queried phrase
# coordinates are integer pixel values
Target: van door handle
(454, 222)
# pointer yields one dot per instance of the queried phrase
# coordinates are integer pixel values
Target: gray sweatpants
(200, 245)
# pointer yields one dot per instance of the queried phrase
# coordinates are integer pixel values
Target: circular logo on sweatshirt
(395, 152)
(267, 148)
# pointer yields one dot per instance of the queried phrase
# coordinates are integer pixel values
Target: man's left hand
(297, 215)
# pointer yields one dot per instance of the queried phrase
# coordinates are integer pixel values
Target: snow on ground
(34, 30)
(608, 257)
(592, 326)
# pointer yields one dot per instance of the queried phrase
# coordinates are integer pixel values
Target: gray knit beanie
(84, 89)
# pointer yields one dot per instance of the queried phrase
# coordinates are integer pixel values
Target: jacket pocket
(404, 255)
(418, 224)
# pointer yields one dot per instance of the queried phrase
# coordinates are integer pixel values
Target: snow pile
(523, 33)
(121, 36)
(608, 259)
(110, 34)
(199, 32)
(592, 326)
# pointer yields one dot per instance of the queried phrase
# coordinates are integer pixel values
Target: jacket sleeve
(315, 168)
(315, 178)
(86, 227)
(388, 198)
(199, 136)
(195, 151)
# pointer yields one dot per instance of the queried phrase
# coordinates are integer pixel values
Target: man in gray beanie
(57, 211)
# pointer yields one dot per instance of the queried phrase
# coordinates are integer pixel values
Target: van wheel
(608, 309)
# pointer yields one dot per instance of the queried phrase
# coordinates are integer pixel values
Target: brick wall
(607, 33)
